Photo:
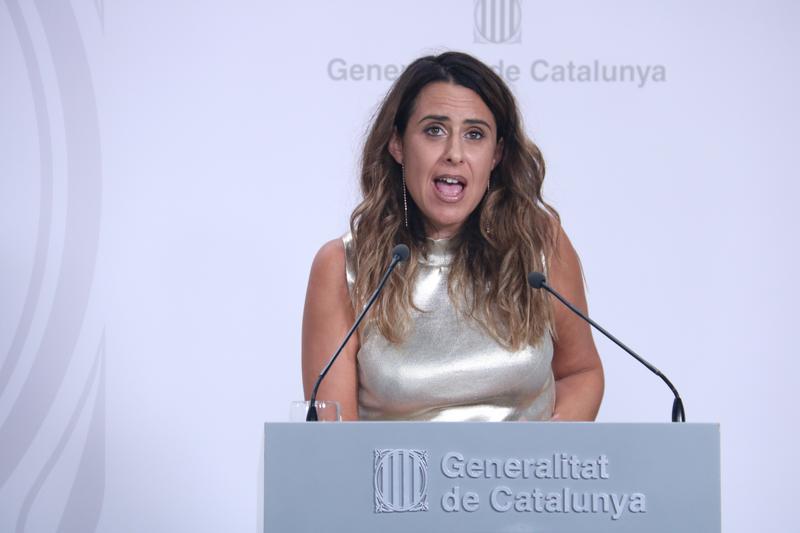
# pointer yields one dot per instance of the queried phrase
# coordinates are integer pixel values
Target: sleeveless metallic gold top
(448, 368)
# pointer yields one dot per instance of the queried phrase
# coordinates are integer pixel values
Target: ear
(498, 153)
(396, 147)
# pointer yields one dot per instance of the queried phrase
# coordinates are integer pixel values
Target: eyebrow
(445, 118)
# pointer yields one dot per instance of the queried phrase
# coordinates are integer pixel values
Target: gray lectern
(422, 477)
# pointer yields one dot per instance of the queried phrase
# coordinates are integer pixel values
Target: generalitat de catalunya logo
(498, 21)
(401, 480)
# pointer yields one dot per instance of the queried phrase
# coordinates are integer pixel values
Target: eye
(435, 131)
(475, 135)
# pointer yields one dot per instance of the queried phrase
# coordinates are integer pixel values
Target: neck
(432, 232)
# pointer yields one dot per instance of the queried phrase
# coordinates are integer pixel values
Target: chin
(448, 224)
(449, 218)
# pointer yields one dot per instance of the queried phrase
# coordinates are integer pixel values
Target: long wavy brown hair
(511, 232)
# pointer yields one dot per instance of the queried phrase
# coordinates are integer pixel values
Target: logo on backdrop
(498, 21)
(401, 480)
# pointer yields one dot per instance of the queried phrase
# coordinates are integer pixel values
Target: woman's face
(448, 150)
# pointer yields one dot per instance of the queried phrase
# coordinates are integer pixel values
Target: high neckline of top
(439, 252)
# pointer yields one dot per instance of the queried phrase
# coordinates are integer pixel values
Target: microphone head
(536, 280)
(401, 252)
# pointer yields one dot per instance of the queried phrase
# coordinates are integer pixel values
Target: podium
(515, 477)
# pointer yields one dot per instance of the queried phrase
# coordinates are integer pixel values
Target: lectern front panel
(518, 477)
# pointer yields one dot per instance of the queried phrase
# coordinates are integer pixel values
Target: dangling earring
(405, 200)
(488, 188)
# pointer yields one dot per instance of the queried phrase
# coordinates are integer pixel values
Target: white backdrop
(169, 169)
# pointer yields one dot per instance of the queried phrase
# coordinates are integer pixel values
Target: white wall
(168, 170)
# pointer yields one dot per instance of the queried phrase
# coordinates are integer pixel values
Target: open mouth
(450, 187)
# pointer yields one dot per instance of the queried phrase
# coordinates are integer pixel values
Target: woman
(456, 334)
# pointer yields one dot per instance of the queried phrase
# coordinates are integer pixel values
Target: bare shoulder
(564, 264)
(327, 281)
(330, 255)
(328, 267)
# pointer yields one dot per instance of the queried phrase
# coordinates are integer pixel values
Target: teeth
(450, 181)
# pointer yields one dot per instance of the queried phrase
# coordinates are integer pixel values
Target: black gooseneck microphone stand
(538, 281)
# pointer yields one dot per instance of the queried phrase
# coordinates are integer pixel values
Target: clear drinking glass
(327, 411)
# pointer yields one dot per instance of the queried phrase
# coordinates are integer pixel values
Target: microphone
(538, 281)
(400, 253)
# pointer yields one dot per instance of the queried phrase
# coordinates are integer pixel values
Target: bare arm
(327, 316)
(576, 363)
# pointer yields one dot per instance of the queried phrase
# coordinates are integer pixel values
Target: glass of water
(327, 411)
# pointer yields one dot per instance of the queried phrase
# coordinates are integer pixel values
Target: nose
(455, 153)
